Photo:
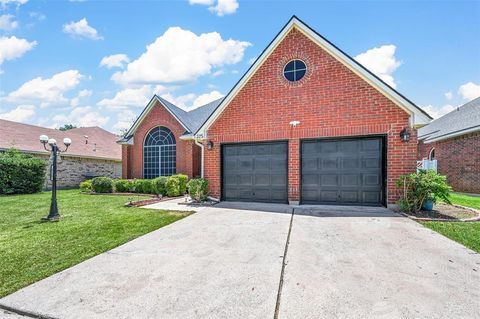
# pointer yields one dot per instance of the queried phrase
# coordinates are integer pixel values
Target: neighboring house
(306, 123)
(454, 141)
(93, 152)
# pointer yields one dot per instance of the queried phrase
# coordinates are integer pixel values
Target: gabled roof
(417, 115)
(463, 120)
(101, 143)
(190, 120)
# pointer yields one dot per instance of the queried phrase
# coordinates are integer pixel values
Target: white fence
(427, 164)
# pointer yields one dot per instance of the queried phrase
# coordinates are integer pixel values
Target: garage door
(342, 172)
(255, 172)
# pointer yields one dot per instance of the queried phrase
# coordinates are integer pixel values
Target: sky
(92, 63)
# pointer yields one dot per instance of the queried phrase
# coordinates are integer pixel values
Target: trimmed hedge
(173, 186)
(144, 186)
(21, 173)
(102, 185)
(160, 184)
(86, 186)
(198, 189)
(123, 185)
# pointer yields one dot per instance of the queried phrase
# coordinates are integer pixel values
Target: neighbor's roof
(463, 120)
(191, 120)
(101, 143)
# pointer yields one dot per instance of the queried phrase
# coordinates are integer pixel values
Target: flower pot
(427, 205)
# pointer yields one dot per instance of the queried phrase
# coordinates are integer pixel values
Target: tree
(67, 127)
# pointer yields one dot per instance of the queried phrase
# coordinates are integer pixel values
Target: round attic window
(294, 70)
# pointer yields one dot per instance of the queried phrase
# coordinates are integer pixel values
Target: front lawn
(467, 234)
(31, 250)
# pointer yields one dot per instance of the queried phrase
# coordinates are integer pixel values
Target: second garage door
(255, 172)
(342, 171)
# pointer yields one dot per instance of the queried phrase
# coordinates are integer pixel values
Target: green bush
(198, 189)
(21, 173)
(183, 180)
(144, 186)
(173, 186)
(102, 184)
(86, 186)
(416, 188)
(123, 185)
(160, 185)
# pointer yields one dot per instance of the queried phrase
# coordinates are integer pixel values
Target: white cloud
(46, 91)
(81, 29)
(381, 61)
(19, 114)
(222, 7)
(191, 101)
(13, 47)
(131, 97)
(7, 22)
(437, 112)
(125, 120)
(449, 95)
(115, 61)
(4, 3)
(469, 91)
(82, 94)
(180, 56)
(81, 116)
(203, 2)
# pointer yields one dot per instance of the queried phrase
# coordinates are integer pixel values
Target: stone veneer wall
(71, 171)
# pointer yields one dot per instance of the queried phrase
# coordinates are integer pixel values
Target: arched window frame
(159, 153)
(431, 154)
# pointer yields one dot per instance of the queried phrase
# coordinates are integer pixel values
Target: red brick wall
(329, 101)
(186, 150)
(459, 159)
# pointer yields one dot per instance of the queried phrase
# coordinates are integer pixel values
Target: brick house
(454, 141)
(306, 123)
(93, 152)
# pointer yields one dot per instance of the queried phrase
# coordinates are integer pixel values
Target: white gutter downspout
(202, 147)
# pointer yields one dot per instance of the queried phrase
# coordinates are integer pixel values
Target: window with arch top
(159, 153)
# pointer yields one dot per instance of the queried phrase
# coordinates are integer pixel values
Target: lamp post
(54, 149)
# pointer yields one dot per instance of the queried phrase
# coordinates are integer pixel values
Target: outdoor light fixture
(209, 145)
(294, 123)
(405, 135)
(54, 149)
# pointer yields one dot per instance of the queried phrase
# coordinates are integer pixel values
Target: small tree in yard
(418, 187)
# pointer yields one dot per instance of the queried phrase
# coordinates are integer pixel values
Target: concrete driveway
(229, 261)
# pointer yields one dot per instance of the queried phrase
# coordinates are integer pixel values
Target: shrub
(198, 189)
(173, 186)
(144, 186)
(123, 185)
(416, 188)
(21, 173)
(183, 180)
(160, 184)
(102, 184)
(86, 186)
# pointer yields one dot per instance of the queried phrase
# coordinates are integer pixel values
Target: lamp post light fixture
(54, 149)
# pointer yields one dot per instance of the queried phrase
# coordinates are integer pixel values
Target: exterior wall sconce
(294, 123)
(405, 135)
(210, 145)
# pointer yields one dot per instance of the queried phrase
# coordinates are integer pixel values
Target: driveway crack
(284, 263)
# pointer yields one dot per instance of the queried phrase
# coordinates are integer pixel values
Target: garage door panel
(348, 171)
(259, 173)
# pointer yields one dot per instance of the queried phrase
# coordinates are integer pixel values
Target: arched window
(159, 153)
(431, 155)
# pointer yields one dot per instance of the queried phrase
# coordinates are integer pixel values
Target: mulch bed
(448, 213)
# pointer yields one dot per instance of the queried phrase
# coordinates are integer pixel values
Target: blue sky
(87, 62)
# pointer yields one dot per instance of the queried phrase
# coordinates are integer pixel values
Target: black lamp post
(54, 149)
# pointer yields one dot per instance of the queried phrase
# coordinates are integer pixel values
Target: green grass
(31, 250)
(467, 234)
(465, 200)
